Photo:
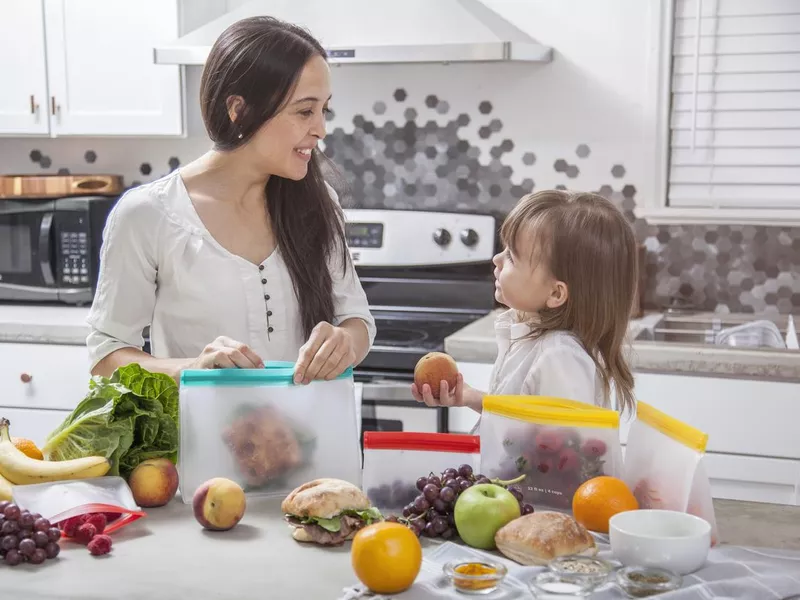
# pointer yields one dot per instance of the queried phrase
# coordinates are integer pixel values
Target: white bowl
(660, 538)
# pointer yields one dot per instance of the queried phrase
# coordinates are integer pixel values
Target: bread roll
(539, 537)
(324, 498)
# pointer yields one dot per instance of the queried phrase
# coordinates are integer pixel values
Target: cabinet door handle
(25, 377)
(34, 106)
(53, 105)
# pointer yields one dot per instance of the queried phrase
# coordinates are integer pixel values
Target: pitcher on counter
(240, 256)
(568, 276)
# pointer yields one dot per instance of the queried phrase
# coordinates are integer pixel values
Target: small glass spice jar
(548, 585)
(472, 577)
(643, 582)
(593, 571)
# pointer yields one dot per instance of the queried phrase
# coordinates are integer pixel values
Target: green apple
(481, 511)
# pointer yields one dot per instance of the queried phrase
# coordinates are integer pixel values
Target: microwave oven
(50, 247)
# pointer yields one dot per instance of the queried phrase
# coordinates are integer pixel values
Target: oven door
(26, 252)
(389, 406)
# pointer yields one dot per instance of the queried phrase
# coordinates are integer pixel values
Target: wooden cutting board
(59, 186)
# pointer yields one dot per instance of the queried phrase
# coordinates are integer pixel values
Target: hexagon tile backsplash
(411, 151)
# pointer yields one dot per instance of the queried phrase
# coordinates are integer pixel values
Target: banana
(5, 489)
(20, 469)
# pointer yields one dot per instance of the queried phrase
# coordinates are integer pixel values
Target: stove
(426, 275)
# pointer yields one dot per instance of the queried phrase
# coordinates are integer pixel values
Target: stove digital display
(364, 235)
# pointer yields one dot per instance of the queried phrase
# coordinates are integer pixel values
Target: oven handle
(387, 391)
(44, 248)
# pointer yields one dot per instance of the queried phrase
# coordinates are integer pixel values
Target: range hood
(379, 31)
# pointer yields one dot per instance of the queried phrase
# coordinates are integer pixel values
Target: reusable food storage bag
(556, 444)
(393, 461)
(259, 429)
(664, 465)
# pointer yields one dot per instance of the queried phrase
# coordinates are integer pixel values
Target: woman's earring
(241, 136)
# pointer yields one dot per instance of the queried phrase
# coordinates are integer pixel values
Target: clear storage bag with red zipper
(394, 461)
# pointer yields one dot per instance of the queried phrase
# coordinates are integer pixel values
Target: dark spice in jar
(642, 578)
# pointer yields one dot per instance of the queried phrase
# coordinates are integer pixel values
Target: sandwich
(328, 511)
(540, 537)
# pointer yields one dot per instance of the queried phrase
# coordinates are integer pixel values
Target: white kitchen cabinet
(97, 76)
(23, 92)
(33, 424)
(43, 376)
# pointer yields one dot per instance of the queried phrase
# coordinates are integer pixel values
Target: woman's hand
(460, 395)
(225, 353)
(327, 354)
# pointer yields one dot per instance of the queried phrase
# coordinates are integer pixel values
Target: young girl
(568, 274)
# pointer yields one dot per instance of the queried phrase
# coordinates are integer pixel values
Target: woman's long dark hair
(260, 59)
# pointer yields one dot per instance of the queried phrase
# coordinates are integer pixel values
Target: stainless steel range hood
(380, 31)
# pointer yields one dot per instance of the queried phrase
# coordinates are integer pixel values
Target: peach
(433, 368)
(153, 482)
(219, 504)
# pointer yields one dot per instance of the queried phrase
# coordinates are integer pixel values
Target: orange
(27, 447)
(599, 499)
(386, 557)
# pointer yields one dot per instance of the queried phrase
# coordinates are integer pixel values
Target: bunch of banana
(5, 489)
(19, 468)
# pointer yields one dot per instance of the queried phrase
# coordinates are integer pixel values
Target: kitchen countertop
(44, 324)
(168, 556)
(476, 343)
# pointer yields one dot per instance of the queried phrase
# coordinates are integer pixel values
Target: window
(730, 106)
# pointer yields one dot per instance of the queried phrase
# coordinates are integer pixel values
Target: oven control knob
(442, 237)
(469, 237)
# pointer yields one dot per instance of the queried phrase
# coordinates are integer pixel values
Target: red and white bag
(664, 466)
(394, 460)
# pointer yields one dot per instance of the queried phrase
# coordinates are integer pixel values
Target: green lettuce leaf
(128, 418)
(369, 516)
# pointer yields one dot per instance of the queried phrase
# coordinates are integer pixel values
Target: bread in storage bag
(395, 460)
(269, 435)
(664, 465)
(556, 443)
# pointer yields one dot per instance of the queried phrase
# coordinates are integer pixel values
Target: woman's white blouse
(159, 266)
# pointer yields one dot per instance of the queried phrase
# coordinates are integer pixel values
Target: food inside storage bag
(556, 444)
(259, 429)
(664, 465)
(394, 461)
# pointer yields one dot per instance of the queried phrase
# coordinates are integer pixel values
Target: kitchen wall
(477, 137)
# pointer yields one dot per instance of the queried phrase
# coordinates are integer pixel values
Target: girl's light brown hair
(584, 241)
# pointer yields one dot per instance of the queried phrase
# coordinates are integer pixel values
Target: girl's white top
(554, 364)
(160, 266)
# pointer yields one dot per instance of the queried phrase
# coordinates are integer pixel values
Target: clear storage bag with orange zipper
(664, 465)
(555, 444)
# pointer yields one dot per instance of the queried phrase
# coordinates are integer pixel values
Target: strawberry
(594, 448)
(545, 464)
(568, 461)
(549, 441)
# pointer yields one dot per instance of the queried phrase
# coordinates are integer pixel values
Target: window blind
(735, 110)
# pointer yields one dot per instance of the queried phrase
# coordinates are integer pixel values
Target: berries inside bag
(664, 465)
(554, 444)
(394, 461)
(106, 502)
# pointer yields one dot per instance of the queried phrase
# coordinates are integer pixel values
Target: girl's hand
(225, 353)
(447, 397)
(327, 354)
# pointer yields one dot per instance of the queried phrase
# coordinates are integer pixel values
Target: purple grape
(429, 530)
(431, 492)
(13, 558)
(408, 510)
(27, 547)
(527, 509)
(447, 533)
(3, 505)
(415, 527)
(9, 527)
(52, 549)
(465, 485)
(421, 483)
(12, 512)
(434, 480)
(450, 473)
(483, 480)
(421, 504)
(465, 470)
(40, 539)
(25, 533)
(41, 525)
(447, 494)
(9, 542)
(54, 534)
(440, 506)
(26, 521)
(38, 557)
(516, 492)
(451, 483)
(439, 524)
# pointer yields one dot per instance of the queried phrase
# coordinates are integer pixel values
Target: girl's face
(524, 286)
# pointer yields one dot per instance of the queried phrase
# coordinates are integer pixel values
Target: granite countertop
(167, 555)
(476, 343)
(44, 324)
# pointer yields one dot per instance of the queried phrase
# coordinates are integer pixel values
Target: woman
(240, 256)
